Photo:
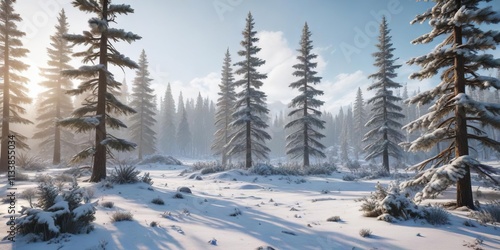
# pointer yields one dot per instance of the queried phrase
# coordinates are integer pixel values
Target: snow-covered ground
(283, 212)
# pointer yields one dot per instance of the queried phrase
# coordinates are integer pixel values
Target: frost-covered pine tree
(304, 138)
(184, 133)
(168, 119)
(142, 122)
(95, 113)
(384, 135)
(225, 107)
(459, 58)
(249, 126)
(359, 118)
(55, 104)
(13, 83)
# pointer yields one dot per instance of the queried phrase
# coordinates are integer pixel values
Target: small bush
(235, 213)
(334, 219)
(64, 178)
(146, 179)
(437, 216)
(57, 213)
(353, 166)
(365, 232)
(161, 159)
(158, 201)
(469, 223)
(349, 177)
(121, 216)
(30, 162)
(154, 224)
(20, 176)
(488, 213)
(178, 196)
(124, 175)
(29, 194)
(108, 204)
(389, 203)
(293, 168)
(44, 178)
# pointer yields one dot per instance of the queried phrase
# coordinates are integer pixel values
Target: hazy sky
(185, 41)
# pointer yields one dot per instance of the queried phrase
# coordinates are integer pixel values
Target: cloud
(342, 90)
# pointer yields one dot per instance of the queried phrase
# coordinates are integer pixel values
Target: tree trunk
(56, 158)
(99, 168)
(464, 189)
(5, 115)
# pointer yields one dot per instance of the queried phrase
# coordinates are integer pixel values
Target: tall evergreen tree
(55, 104)
(459, 58)
(168, 119)
(225, 107)
(143, 121)
(304, 139)
(95, 114)
(384, 136)
(184, 133)
(13, 84)
(359, 118)
(250, 135)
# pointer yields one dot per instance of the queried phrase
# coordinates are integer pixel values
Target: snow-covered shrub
(262, 169)
(124, 174)
(158, 201)
(488, 213)
(122, 216)
(349, 177)
(153, 224)
(365, 232)
(29, 162)
(29, 194)
(44, 178)
(64, 177)
(334, 219)
(293, 168)
(146, 179)
(210, 168)
(353, 165)
(389, 204)
(160, 159)
(435, 215)
(325, 168)
(57, 213)
(20, 176)
(108, 204)
(178, 196)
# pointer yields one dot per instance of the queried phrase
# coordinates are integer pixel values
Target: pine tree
(304, 139)
(359, 117)
(168, 141)
(384, 136)
(143, 121)
(95, 114)
(459, 58)
(55, 104)
(225, 107)
(199, 126)
(249, 136)
(184, 133)
(13, 84)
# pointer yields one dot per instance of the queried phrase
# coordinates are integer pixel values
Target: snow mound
(160, 159)
(250, 186)
(230, 174)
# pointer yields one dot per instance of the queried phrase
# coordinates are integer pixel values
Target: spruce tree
(249, 125)
(459, 58)
(184, 134)
(384, 134)
(95, 114)
(168, 119)
(359, 118)
(55, 104)
(225, 107)
(304, 139)
(142, 122)
(13, 84)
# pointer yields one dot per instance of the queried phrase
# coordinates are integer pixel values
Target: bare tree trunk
(6, 103)
(99, 168)
(464, 189)
(56, 158)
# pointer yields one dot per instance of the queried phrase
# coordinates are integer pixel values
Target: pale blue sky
(185, 40)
